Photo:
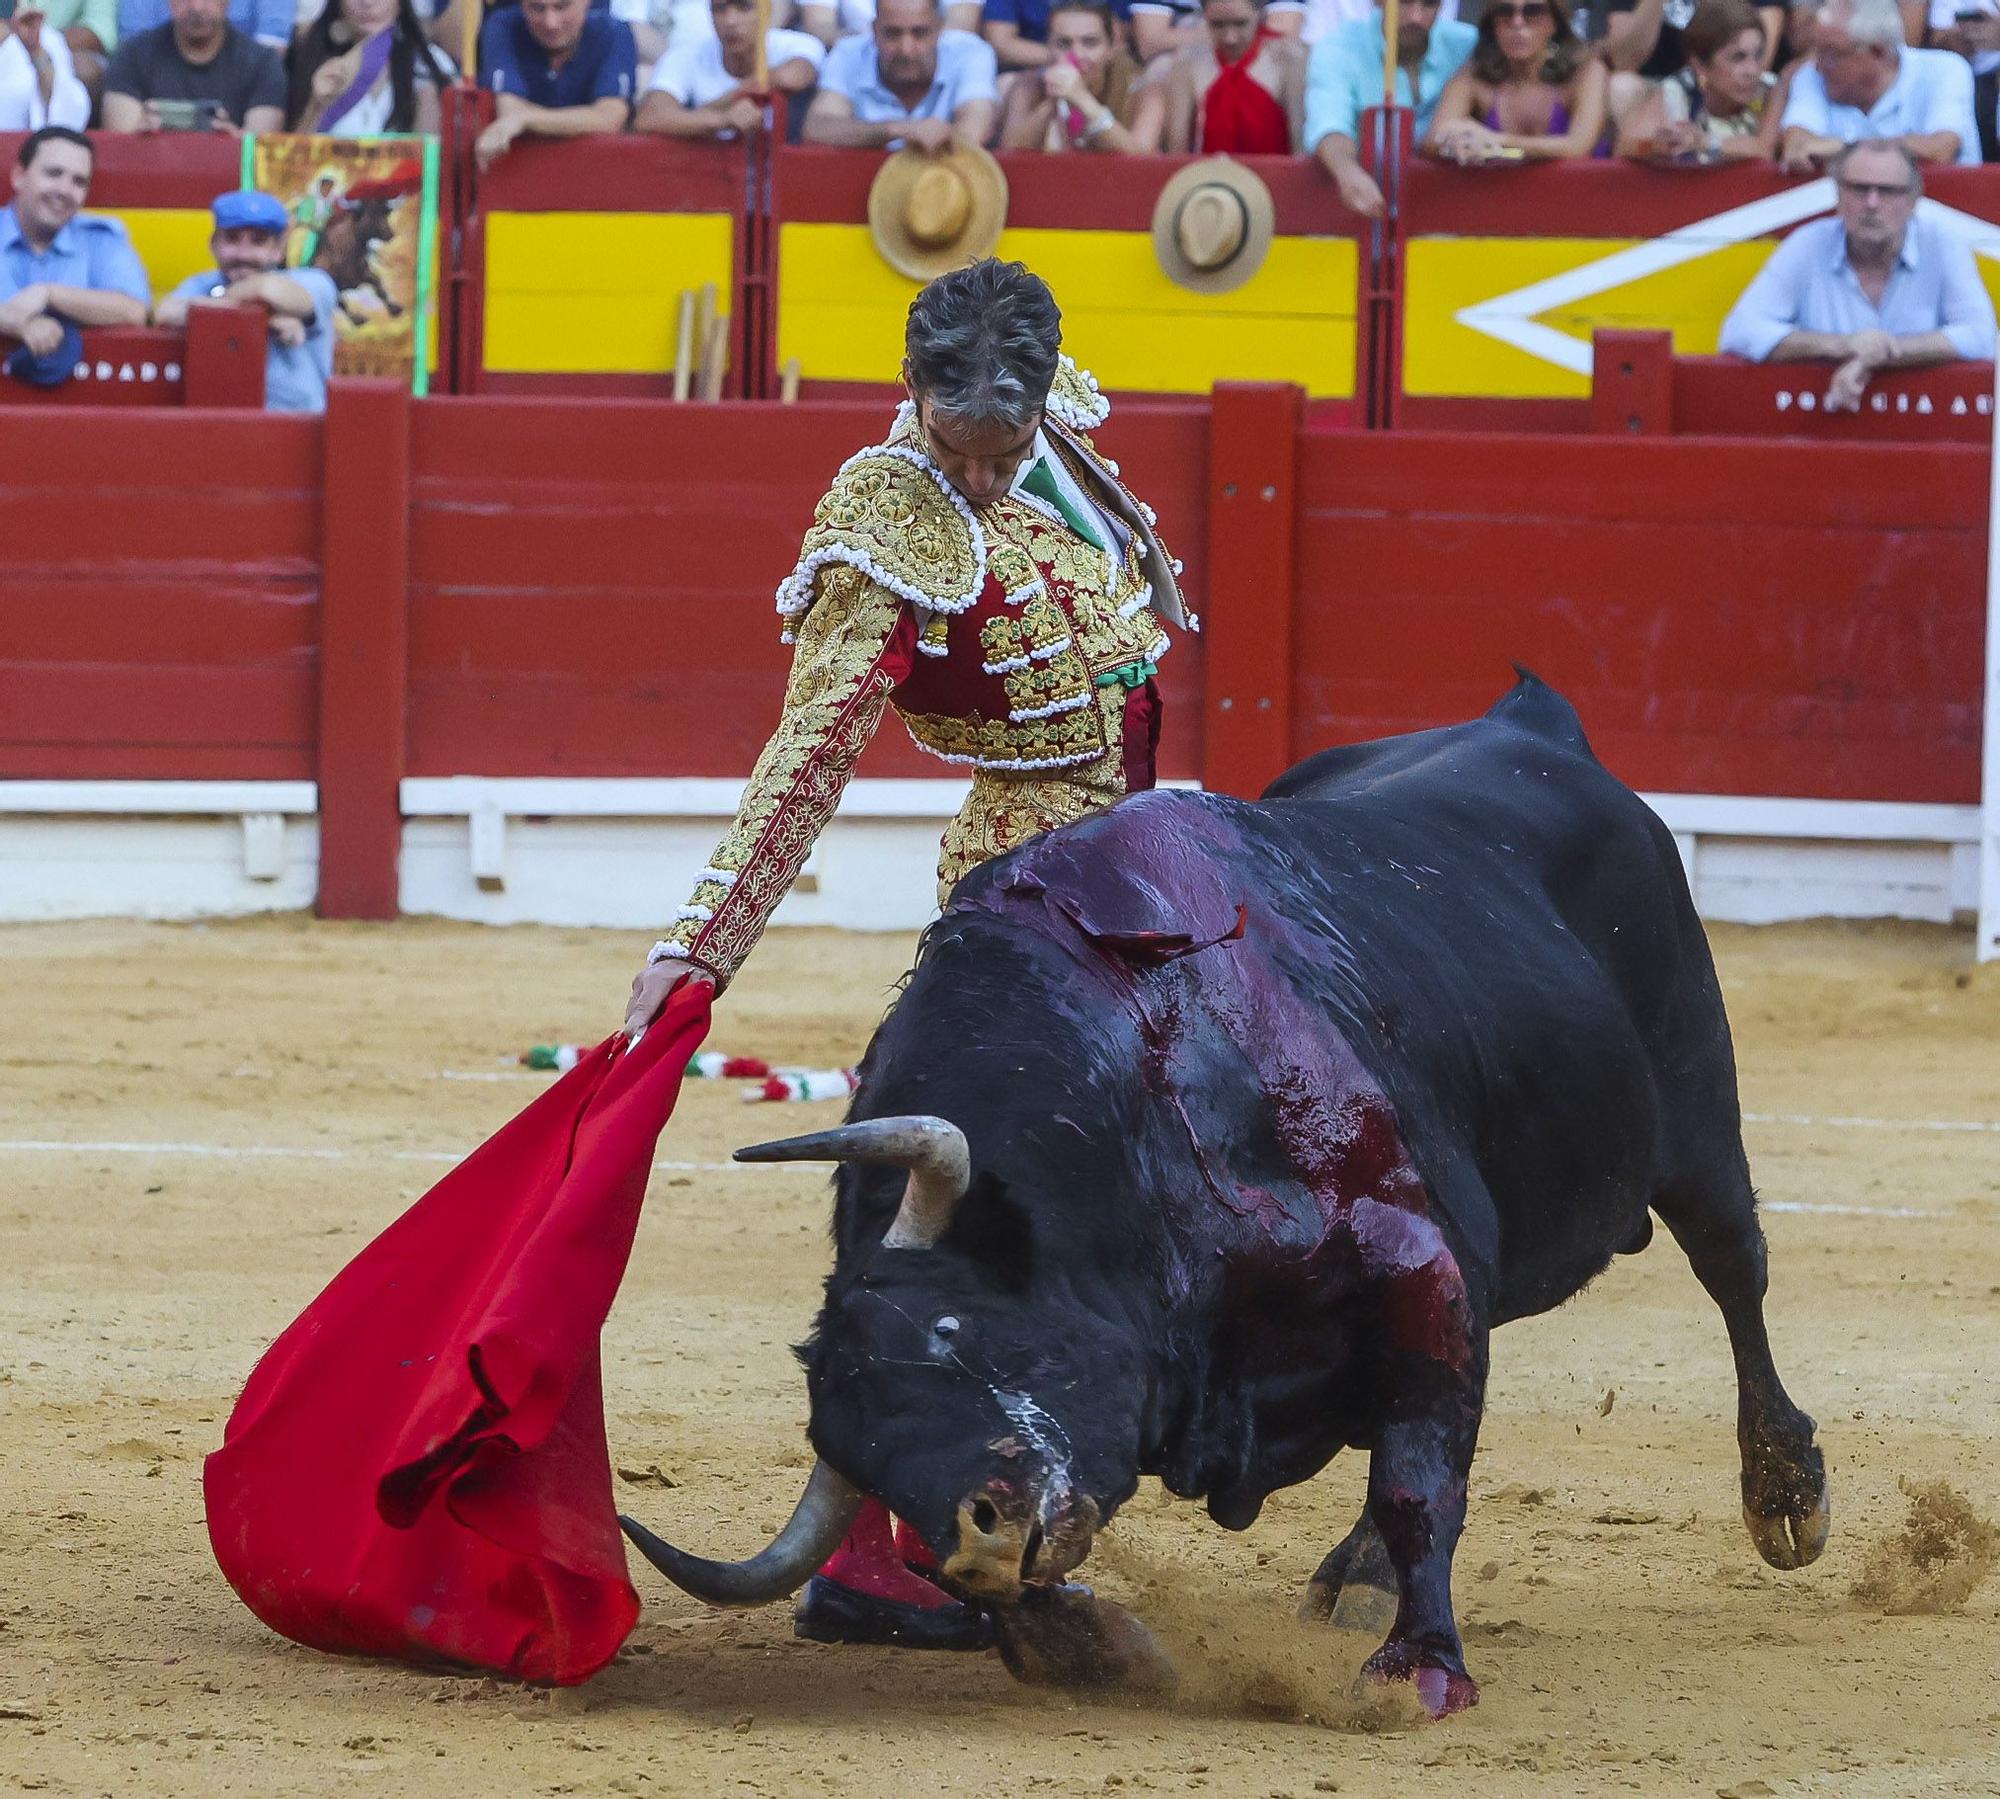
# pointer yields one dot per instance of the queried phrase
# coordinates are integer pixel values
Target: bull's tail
(1531, 704)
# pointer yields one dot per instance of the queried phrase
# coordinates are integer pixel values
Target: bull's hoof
(1354, 1588)
(1787, 1510)
(1068, 1637)
(1443, 1691)
(1791, 1538)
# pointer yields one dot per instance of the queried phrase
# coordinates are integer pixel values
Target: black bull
(1256, 1119)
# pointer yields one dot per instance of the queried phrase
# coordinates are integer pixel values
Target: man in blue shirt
(910, 82)
(248, 244)
(561, 69)
(1872, 288)
(1865, 82)
(59, 266)
(1345, 76)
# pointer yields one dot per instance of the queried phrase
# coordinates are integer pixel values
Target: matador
(987, 573)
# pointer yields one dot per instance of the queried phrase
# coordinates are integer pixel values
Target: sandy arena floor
(1626, 1634)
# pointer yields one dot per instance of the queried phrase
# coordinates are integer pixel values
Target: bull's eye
(947, 1326)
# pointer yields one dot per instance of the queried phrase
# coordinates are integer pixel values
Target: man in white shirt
(910, 82)
(1865, 82)
(38, 80)
(701, 86)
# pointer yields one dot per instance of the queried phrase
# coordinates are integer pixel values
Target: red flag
(417, 1467)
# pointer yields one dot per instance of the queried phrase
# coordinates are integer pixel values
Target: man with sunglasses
(986, 572)
(1874, 287)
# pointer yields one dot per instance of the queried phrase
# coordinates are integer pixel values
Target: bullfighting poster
(364, 209)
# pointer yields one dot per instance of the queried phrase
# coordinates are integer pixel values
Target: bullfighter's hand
(43, 334)
(1849, 383)
(652, 984)
(932, 136)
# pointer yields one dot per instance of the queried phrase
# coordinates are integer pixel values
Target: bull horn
(932, 1149)
(813, 1532)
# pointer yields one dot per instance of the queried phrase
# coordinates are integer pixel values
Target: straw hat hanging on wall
(1212, 225)
(931, 214)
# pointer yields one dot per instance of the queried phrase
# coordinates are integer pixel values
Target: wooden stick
(715, 357)
(788, 382)
(684, 345)
(471, 15)
(1391, 25)
(704, 315)
(762, 77)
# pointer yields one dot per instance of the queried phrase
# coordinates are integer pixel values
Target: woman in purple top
(1532, 92)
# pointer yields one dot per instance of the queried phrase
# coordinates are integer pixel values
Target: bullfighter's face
(981, 1398)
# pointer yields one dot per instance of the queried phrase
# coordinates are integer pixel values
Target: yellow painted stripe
(172, 242)
(841, 308)
(596, 292)
(1445, 275)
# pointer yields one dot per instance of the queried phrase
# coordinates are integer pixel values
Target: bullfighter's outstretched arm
(856, 643)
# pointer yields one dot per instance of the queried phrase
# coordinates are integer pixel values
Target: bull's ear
(996, 1231)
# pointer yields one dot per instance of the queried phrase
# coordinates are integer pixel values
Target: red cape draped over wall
(417, 1468)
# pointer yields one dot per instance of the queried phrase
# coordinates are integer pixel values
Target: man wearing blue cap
(249, 248)
(60, 267)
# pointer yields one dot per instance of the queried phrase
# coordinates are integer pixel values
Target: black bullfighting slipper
(831, 1613)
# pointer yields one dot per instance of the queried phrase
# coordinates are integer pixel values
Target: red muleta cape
(417, 1468)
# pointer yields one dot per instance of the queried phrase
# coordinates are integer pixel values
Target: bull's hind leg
(1714, 1219)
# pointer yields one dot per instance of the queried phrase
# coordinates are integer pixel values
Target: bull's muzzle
(1012, 1536)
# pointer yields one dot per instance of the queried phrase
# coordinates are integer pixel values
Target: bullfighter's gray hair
(981, 344)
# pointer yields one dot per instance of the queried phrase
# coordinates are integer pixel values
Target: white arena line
(234, 1152)
(231, 1152)
(1870, 1124)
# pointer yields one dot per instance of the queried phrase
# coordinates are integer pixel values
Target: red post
(224, 360)
(1632, 383)
(1247, 625)
(363, 645)
(1378, 375)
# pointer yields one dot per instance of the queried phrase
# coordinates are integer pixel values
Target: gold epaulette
(1074, 399)
(895, 518)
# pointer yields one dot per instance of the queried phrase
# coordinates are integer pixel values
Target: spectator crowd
(1911, 83)
(1491, 81)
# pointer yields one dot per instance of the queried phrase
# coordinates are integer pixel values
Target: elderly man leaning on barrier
(1874, 287)
(1865, 83)
(1345, 76)
(248, 245)
(910, 82)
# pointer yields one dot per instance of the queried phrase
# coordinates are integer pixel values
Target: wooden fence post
(1247, 623)
(363, 645)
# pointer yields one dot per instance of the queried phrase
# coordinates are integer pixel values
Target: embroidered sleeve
(856, 643)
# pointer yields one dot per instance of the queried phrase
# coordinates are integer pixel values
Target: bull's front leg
(1433, 1365)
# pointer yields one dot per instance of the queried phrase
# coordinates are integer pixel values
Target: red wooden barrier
(217, 361)
(364, 648)
(1754, 618)
(158, 572)
(1639, 387)
(1252, 477)
(586, 589)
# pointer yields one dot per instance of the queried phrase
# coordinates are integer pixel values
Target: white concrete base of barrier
(624, 853)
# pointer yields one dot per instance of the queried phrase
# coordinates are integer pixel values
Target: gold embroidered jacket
(990, 631)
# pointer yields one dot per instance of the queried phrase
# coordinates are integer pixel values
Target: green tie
(1041, 482)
